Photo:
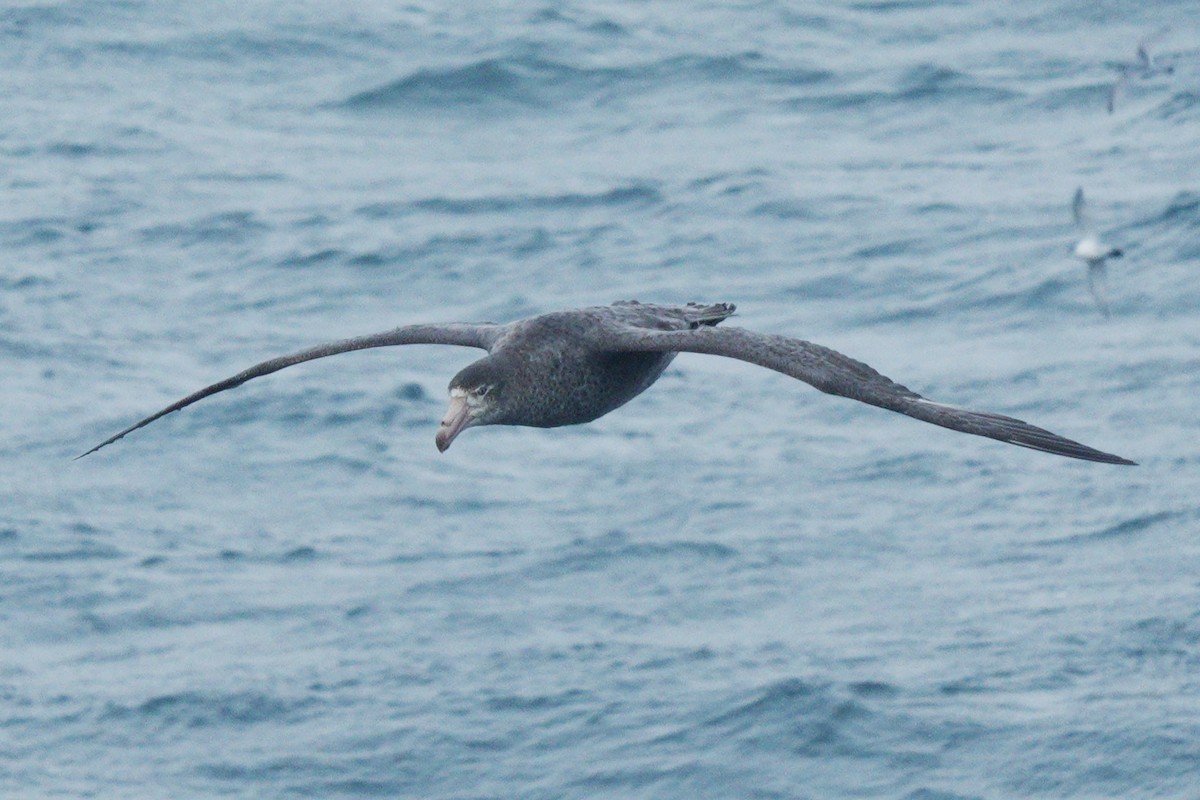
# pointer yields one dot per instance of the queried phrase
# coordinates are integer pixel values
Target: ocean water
(734, 587)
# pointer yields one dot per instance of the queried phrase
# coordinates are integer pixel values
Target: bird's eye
(483, 390)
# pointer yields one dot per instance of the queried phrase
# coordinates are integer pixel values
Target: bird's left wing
(1098, 284)
(834, 373)
(464, 334)
(1114, 92)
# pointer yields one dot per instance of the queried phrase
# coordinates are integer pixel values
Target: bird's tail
(699, 314)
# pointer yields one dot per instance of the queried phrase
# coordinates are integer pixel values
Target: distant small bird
(571, 367)
(1144, 68)
(1094, 252)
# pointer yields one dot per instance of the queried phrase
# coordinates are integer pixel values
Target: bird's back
(567, 380)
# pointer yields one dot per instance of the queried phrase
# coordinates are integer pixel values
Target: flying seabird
(571, 367)
(1144, 68)
(1093, 252)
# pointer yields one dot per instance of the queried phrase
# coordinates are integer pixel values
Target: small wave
(801, 717)
(1183, 106)
(18, 283)
(1163, 637)
(304, 553)
(87, 547)
(181, 617)
(248, 176)
(516, 240)
(932, 82)
(305, 408)
(1107, 760)
(1184, 208)
(916, 466)
(594, 554)
(632, 195)
(35, 18)
(923, 84)
(25, 350)
(788, 698)
(937, 794)
(1081, 98)
(833, 286)
(892, 6)
(201, 709)
(825, 720)
(580, 557)
(530, 82)
(1121, 530)
(234, 227)
(788, 210)
(237, 48)
(316, 258)
(337, 463)
(748, 66)
(83, 552)
(34, 231)
(634, 781)
(489, 81)
(410, 392)
(463, 555)
(604, 26)
(676, 658)
(729, 184)
(897, 247)
(73, 149)
(536, 702)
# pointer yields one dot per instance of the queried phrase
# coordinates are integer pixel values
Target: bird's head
(476, 395)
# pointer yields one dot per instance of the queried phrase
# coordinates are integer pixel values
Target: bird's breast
(574, 388)
(1089, 248)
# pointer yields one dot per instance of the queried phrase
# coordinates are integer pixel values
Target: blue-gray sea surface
(735, 586)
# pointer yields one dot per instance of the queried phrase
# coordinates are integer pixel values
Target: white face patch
(471, 400)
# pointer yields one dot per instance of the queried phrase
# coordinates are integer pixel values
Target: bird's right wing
(1079, 210)
(834, 373)
(463, 334)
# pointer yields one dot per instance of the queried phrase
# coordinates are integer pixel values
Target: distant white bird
(1144, 68)
(1094, 252)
